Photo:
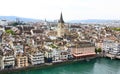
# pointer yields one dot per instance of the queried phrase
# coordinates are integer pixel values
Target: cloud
(72, 9)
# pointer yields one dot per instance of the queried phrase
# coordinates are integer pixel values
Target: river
(95, 66)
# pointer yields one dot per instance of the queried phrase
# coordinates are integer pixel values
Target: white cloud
(72, 9)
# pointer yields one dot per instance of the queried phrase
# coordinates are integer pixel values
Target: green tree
(96, 50)
(116, 29)
(10, 32)
(53, 46)
(99, 50)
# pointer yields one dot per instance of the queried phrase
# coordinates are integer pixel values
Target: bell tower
(60, 27)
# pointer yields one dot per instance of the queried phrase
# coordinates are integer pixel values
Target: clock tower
(60, 27)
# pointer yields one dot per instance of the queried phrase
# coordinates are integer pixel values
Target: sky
(71, 9)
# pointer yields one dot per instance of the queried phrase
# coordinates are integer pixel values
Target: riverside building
(36, 58)
(21, 60)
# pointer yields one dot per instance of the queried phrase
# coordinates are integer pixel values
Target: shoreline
(45, 65)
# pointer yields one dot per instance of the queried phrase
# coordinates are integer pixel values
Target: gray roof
(61, 19)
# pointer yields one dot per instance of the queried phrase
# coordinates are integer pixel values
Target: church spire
(61, 19)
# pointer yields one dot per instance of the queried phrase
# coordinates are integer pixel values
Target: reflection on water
(96, 66)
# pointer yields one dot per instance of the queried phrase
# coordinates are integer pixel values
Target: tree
(99, 50)
(17, 23)
(53, 46)
(116, 29)
(96, 50)
(10, 32)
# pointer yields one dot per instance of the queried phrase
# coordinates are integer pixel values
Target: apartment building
(21, 60)
(7, 59)
(36, 58)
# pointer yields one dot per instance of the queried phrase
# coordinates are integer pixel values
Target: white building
(36, 58)
(111, 47)
(56, 55)
(7, 59)
(3, 22)
(2, 29)
(64, 55)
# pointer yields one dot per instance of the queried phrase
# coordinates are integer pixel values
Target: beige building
(99, 44)
(83, 49)
(21, 60)
(60, 27)
(61, 30)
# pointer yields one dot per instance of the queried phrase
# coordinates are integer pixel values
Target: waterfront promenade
(45, 65)
(94, 66)
(112, 56)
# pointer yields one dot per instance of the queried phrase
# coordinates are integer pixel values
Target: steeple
(61, 19)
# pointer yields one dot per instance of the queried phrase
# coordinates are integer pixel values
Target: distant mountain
(13, 18)
(93, 21)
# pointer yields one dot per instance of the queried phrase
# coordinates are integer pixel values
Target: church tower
(60, 27)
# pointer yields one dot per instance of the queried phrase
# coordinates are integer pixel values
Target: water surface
(96, 66)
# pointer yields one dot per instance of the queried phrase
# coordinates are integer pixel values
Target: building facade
(111, 47)
(7, 62)
(21, 60)
(60, 27)
(84, 49)
(36, 58)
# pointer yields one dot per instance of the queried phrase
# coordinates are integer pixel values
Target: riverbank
(94, 66)
(46, 65)
(50, 65)
(112, 56)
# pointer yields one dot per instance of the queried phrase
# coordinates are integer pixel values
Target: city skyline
(51, 9)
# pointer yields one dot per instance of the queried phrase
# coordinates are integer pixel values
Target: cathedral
(60, 27)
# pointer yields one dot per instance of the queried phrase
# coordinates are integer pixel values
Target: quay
(112, 56)
(45, 65)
